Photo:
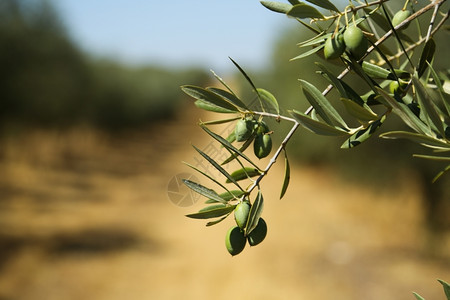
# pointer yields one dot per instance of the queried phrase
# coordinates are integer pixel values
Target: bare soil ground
(84, 215)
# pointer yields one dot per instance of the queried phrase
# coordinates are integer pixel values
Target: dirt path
(87, 216)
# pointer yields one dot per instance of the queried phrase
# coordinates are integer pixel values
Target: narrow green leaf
(287, 175)
(211, 223)
(227, 145)
(207, 176)
(278, 7)
(408, 117)
(377, 72)
(244, 146)
(361, 112)
(227, 196)
(244, 173)
(439, 175)
(212, 212)
(381, 21)
(255, 213)
(229, 97)
(317, 127)
(202, 190)
(351, 94)
(308, 53)
(321, 104)
(440, 89)
(426, 56)
(418, 297)
(363, 134)
(302, 11)
(432, 157)
(208, 97)
(212, 107)
(334, 80)
(315, 40)
(417, 138)
(324, 4)
(428, 107)
(217, 166)
(245, 75)
(268, 98)
(218, 122)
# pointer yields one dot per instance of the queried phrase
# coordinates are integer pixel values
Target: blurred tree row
(46, 79)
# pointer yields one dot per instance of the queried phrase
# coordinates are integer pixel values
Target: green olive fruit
(243, 129)
(235, 241)
(334, 46)
(241, 213)
(262, 145)
(261, 127)
(355, 41)
(401, 16)
(397, 88)
(258, 234)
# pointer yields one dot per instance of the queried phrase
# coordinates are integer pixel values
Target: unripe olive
(258, 234)
(401, 16)
(261, 127)
(235, 241)
(262, 145)
(241, 213)
(355, 41)
(397, 88)
(243, 129)
(334, 46)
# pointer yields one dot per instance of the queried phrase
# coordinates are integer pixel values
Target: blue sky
(174, 32)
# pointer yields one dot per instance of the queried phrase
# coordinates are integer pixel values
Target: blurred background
(93, 132)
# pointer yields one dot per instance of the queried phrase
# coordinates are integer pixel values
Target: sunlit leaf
(208, 99)
(287, 175)
(378, 72)
(403, 111)
(255, 213)
(317, 127)
(418, 297)
(361, 112)
(278, 7)
(321, 104)
(446, 288)
(211, 223)
(426, 56)
(218, 122)
(363, 134)
(217, 166)
(268, 98)
(212, 107)
(303, 11)
(209, 177)
(244, 146)
(308, 53)
(333, 79)
(202, 190)
(442, 95)
(417, 138)
(428, 107)
(324, 4)
(244, 173)
(228, 96)
(212, 212)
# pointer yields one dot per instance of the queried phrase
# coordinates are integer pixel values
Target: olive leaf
(268, 98)
(217, 166)
(302, 11)
(426, 56)
(317, 127)
(218, 122)
(255, 213)
(377, 72)
(446, 288)
(417, 138)
(229, 97)
(227, 145)
(308, 53)
(212, 212)
(211, 223)
(278, 7)
(244, 146)
(202, 190)
(321, 104)
(363, 134)
(440, 89)
(428, 107)
(287, 175)
(361, 112)
(208, 100)
(244, 173)
(227, 196)
(333, 80)
(418, 297)
(324, 4)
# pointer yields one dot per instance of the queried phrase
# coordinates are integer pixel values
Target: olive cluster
(249, 128)
(353, 39)
(237, 236)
